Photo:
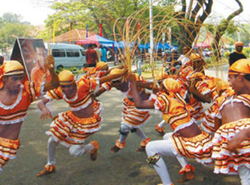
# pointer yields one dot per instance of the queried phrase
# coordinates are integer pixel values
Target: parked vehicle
(67, 55)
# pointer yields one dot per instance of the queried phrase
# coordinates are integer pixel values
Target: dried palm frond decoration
(126, 29)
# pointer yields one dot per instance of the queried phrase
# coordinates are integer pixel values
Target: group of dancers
(217, 136)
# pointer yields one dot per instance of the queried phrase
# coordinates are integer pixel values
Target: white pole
(151, 33)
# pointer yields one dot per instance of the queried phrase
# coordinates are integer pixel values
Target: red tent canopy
(202, 45)
(95, 39)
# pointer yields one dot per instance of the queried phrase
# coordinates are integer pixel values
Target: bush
(211, 62)
(76, 71)
(246, 52)
(146, 67)
(226, 54)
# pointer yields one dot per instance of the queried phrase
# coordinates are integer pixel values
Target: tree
(186, 22)
(12, 27)
(190, 19)
(222, 27)
(93, 13)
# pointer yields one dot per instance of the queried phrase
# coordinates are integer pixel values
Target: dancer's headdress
(9, 68)
(240, 66)
(117, 71)
(239, 44)
(66, 77)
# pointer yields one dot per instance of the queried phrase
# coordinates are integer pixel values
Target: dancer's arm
(200, 97)
(217, 123)
(111, 77)
(238, 139)
(139, 103)
(45, 111)
(99, 92)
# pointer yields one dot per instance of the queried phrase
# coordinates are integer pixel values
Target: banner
(100, 31)
(54, 30)
(87, 31)
(70, 33)
(32, 54)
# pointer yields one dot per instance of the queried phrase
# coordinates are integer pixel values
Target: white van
(67, 55)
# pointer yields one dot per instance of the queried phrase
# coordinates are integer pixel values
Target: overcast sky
(36, 12)
(32, 11)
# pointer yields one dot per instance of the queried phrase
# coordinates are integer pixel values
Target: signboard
(32, 54)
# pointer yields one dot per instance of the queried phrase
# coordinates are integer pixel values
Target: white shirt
(184, 59)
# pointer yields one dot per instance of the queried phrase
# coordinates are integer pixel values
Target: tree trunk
(221, 28)
(190, 22)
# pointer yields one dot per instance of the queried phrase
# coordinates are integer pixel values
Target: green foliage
(73, 69)
(232, 28)
(146, 67)
(11, 18)
(10, 31)
(246, 52)
(226, 54)
(93, 12)
(12, 27)
(211, 63)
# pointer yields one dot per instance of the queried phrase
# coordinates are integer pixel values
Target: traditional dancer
(186, 141)
(100, 70)
(72, 127)
(224, 90)
(16, 95)
(160, 127)
(195, 90)
(132, 118)
(233, 117)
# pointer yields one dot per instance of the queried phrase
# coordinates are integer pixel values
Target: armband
(153, 159)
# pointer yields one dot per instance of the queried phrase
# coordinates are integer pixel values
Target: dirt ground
(127, 167)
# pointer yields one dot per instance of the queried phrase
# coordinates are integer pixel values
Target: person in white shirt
(99, 52)
(184, 58)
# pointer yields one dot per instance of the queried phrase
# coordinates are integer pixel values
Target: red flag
(138, 29)
(100, 31)
(138, 26)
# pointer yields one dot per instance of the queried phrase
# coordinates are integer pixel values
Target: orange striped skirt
(225, 161)
(133, 116)
(208, 122)
(8, 150)
(199, 147)
(98, 108)
(198, 110)
(68, 129)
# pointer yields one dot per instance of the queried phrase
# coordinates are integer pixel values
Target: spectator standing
(91, 57)
(175, 64)
(1, 60)
(104, 54)
(98, 51)
(237, 54)
(184, 58)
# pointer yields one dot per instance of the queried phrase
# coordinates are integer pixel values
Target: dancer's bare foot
(187, 176)
(93, 153)
(161, 133)
(141, 149)
(114, 149)
(47, 169)
(160, 130)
